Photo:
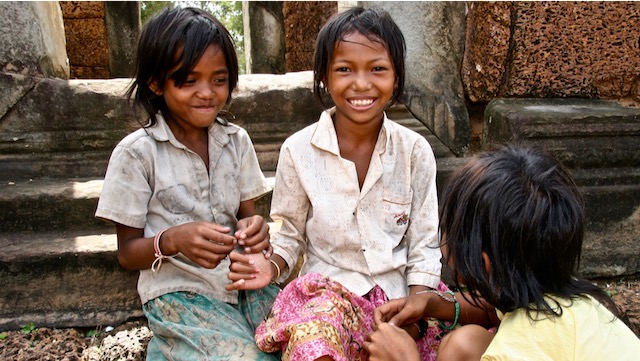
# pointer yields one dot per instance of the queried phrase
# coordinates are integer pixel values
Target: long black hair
(523, 209)
(170, 46)
(377, 25)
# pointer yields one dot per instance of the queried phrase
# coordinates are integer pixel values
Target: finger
(243, 268)
(385, 312)
(237, 285)
(400, 318)
(257, 244)
(241, 258)
(237, 276)
(268, 252)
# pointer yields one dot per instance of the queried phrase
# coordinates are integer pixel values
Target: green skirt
(188, 326)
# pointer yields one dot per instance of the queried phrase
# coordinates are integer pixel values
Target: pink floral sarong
(314, 316)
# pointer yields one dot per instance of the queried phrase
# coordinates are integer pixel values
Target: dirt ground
(128, 341)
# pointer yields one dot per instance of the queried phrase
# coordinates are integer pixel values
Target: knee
(466, 343)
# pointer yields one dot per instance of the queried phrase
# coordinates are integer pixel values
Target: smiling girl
(181, 192)
(356, 194)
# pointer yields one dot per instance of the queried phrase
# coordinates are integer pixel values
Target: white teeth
(361, 102)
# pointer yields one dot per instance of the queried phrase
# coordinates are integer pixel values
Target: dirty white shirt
(385, 234)
(154, 182)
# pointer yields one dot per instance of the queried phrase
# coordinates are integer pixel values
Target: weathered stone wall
(552, 49)
(302, 21)
(86, 39)
(32, 40)
(101, 37)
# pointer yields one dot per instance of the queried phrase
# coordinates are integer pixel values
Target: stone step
(63, 204)
(64, 279)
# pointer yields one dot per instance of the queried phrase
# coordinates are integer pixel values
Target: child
(512, 224)
(356, 193)
(181, 192)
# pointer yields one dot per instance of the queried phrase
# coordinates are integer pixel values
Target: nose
(362, 81)
(205, 91)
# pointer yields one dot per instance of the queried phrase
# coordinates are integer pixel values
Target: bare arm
(401, 312)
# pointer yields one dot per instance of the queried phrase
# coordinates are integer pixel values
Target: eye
(379, 68)
(189, 81)
(221, 80)
(342, 69)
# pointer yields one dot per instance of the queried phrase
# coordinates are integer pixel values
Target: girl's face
(196, 104)
(361, 79)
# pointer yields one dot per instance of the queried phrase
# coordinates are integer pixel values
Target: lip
(205, 108)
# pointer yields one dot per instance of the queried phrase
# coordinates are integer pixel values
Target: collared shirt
(154, 182)
(383, 234)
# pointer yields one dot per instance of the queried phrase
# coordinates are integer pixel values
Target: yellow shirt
(585, 331)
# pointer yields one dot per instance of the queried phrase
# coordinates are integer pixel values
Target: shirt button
(214, 211)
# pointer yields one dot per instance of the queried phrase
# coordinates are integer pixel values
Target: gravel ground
(128, 341)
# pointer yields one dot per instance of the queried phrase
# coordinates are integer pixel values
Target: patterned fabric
(191, 327)
(388, 230)
(314, 316)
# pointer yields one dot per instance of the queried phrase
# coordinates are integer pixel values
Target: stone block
(87, 42)
(582, 133)
(62, 129)
(553, 49)
(64, 279)
(32, 40)
(82, 9)
(302, 22)
(599, 141)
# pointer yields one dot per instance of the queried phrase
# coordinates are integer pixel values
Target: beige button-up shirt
(154, 182)
(385, 234)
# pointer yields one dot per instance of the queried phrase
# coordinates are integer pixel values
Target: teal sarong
(188, 326)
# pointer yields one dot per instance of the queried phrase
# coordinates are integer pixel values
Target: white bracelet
(158, 253)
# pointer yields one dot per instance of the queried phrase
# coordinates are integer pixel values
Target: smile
(361, 102)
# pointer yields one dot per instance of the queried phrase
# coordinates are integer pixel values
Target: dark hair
(377, 25)
(523, 208)
(177, 38)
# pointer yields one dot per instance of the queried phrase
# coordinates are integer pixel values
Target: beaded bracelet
(158, 253)
(451, 299)
(278, 274)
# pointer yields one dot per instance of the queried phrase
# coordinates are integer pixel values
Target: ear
(487, 263)
(154, 88)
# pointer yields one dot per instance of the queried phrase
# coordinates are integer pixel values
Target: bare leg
(464, 344)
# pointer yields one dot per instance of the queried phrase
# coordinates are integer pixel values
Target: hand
(205, 243)
(253, 233)
(391, 343)
(250, 271)
(401, 311)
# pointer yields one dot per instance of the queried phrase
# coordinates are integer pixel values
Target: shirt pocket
(396, 213)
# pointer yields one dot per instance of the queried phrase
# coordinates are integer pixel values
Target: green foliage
(28, 328)
(150, 8)
(3, 336)
(228, 12)
(92, 333)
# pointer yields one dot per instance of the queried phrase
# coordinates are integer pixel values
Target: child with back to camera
(512, 225)
(356, 193)
(181, 192)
